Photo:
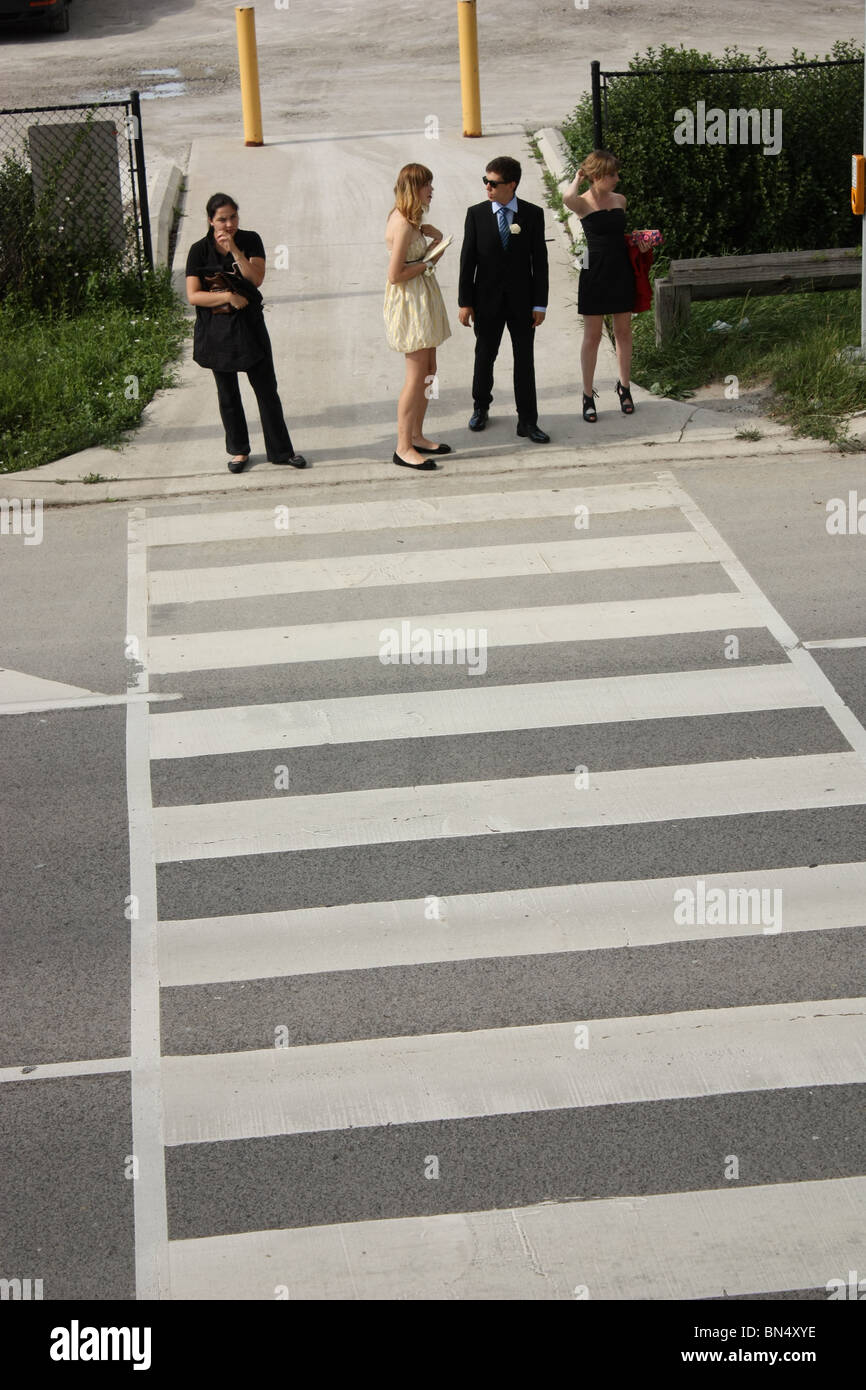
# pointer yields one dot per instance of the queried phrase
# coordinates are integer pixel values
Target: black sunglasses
(493, 183)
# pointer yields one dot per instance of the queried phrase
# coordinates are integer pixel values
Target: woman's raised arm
(572, 199)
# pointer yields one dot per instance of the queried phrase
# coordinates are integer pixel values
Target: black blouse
(236, 341)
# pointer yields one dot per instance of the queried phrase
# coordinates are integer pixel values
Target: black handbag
(217, 282)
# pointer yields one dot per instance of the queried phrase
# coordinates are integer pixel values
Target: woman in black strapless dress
(607, 280)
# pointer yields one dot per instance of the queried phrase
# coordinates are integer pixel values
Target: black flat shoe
(426, 467)
(589, 411)
(478, 420)
(296, 461)
(625, 400)
(440, 449)
(533, 432)
(238, 465)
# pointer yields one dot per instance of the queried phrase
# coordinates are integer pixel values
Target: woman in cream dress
(415, 318)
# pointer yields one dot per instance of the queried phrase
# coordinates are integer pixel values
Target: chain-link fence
(73, 196)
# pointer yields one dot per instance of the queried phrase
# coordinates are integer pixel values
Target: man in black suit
(503, 283)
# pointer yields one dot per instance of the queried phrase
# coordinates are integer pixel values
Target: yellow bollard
(467, 23)
(248, 62)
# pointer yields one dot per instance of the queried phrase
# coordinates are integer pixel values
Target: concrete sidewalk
(326, 199)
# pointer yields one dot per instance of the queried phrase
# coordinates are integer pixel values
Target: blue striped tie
(503, 228)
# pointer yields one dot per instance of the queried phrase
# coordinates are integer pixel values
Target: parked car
(54, 14)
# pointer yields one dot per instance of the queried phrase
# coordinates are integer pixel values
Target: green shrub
(730, 199)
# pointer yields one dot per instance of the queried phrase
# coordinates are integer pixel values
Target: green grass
(74, 381)
(791, 341)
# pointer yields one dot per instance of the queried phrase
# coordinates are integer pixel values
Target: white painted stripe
(19, 687)
(276, 646)
(149, 1203)
(532, 921)
(437, 713)
(389, 815)
(509, 1071)
(843, 717)
(836, 643)
(90, 702)
(338, 572)
(45, 1071)
(682, 1245)
(300, 520)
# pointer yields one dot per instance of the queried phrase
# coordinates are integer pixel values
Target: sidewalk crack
(686, 423)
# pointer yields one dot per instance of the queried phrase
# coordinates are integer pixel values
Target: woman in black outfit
(607, 282)
(223, 274)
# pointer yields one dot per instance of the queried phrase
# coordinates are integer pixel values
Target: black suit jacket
(495, 280)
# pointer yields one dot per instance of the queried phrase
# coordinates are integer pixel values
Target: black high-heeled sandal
(589, 411)
(625, 401)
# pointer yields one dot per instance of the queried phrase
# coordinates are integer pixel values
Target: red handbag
(640, 249)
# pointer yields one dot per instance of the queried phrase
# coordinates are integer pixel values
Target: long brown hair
(407, 192)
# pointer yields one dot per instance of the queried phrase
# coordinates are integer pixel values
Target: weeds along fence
(731, 155)
(73, 199)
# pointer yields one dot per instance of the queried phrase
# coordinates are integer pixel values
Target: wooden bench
(725, 277)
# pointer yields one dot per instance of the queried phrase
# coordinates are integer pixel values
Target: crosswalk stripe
(261, 524)
(574, 917)
(836, 644)
(19, 688)
(507, 1071)
(388, 815)
(45, 1071)
(330, 573)
(684, 1245)
(431, 713)
(273, 646)
(149, 1202)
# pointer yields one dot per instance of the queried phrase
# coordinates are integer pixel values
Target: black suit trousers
(488, 335)
(263, 380)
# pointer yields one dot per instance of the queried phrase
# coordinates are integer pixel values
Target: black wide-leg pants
(488, 336)
(263, 380)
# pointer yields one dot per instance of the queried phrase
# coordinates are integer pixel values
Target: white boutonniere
(515, 229)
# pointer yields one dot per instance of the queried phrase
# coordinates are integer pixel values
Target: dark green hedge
(732, 199)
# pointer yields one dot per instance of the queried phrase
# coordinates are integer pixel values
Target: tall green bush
(732, 199)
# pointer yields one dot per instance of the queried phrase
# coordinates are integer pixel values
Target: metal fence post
(141, 178)
(597, 132)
